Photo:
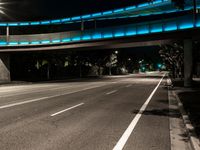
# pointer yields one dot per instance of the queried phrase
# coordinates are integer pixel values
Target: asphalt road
(127, 112)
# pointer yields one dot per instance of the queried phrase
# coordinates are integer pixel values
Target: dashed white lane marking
(111, 92)
(122, 141)
(62, 111)
(129, 85)
(41, 90)
(24, 102)
(44, 98)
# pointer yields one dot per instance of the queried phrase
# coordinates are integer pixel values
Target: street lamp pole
(7, 33)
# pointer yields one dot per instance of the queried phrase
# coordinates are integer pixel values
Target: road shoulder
(181, 130)
(178, 133)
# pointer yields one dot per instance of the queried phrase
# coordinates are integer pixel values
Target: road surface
(128, 112)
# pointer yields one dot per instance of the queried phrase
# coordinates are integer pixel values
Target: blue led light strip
(165, 26)
(89, 16)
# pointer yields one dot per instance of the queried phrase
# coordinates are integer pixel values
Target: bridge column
(188, 62)
(4, 68)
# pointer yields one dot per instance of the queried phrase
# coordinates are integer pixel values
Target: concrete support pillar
(188, 62)
(4, 68)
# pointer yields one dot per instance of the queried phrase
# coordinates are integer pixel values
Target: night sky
(49, 9)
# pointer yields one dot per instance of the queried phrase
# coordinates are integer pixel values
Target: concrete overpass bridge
(145, 33)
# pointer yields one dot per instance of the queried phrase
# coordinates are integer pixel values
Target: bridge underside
(127, 42)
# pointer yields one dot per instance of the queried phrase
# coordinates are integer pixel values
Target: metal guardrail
(167, 25)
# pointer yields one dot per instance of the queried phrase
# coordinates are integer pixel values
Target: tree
(173, 56)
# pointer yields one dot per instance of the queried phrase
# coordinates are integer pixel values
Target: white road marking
(129, 85)
(21, 103)
(121, 143)
(43, 90)
(111, 92)
(44, 98)
(66, 109)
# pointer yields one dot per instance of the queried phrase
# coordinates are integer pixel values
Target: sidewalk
(190, 98)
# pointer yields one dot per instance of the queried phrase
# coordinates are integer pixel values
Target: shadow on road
(160, 112)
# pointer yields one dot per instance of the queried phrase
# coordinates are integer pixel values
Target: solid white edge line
(122, 141)
(62, 111)
(111, 92)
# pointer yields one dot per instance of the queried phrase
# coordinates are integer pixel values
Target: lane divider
(129, 85)
(109, 93)
(123, 140)
(49, 97)
(62, 111)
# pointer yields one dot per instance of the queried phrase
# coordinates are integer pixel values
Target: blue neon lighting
(76, 18)
(45, 42)
(35, 23)
(119, 34)
(13, 43)
(186, 26)
(155, 28)
(198, 23)
(107, 35)
(56, 21)
(119, 10)
(142, 30)
(96, 14)
(66, 40)
(86, 16)
(143, 5)
(170, 27)
(45, 22)
(23, 43)
(131, 32)
(3, 43)
(65, 19)
(35, 42)
(3, 24)
(12, 24)
(76, 39)
(56, 41)
(107, 12)
(24, 24)
(145, 31)
(157, 1)
(86, 37)
(96, 36)
(130, 8)
(184, 22)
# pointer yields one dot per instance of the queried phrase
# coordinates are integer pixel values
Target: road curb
(194, 141)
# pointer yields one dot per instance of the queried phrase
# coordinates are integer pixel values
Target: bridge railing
(180, 23)
(142, 6)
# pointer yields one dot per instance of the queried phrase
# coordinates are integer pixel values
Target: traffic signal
(179, 3)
